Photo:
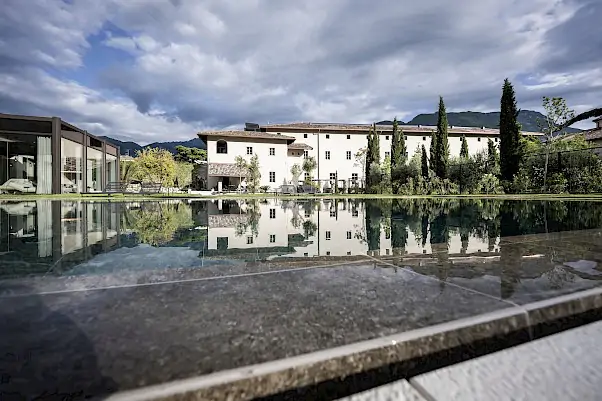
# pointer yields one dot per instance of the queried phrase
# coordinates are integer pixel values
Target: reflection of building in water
(45, 236)
(324, 227)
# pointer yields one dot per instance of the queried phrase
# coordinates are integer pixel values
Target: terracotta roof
(361, 128)
(246, 134)
(299, 145)
(225, 170)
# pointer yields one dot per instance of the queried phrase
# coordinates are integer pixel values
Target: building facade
(46, 155)
(335, 147)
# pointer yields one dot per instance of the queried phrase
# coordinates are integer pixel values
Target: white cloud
(220, 63)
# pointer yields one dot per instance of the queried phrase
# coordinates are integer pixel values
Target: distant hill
(132, 147)
(527, 118)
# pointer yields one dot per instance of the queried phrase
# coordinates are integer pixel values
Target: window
(249, 150)
(333, 213)
(327, 253)
(479, 139)
(327, 136)
(386, 137)
(387, 251)
(327, 155)
(272, 238)
(348, 234)
(354, 213)
(305, 154)
(354, 176)
(306, 254)
(272, 151)
(349, 253)
(328, 235)
(348, 155)
(333, 176)
(249, 240)
(405, 137)
(424, 138)
(304, 135)
(307, 214)
(272, 176)
(496, 139)
(222, 243)
(387, 154)
(307, 177)
(222, 147)
(272, 213)
(348, 136)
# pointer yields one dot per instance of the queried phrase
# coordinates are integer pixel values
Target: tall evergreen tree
(464, 148)
(368, 162)
(510, 155)
(425, 166)
(398, 147)
(442, 148)
(372, 158)
(375, 145)
(433, 152)
(493, 158)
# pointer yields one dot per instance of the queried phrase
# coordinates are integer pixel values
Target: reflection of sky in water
(585, 266)
(145, 257)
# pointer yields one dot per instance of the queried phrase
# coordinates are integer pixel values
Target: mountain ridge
(527, 118)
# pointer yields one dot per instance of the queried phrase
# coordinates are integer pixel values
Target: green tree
(464, 148)
(433, 152)
(510, 145)
(493, 158)
(183, 174)
(243, 168)
(190, 155)
(296, 173)
(309, 165)
(398, 146)
(425, 166)
(557, 115)
(372, 159)
(442, 146)
(154, 165)
(593, 113)
(253, 174)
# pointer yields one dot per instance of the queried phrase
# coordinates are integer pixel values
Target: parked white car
(18, 185)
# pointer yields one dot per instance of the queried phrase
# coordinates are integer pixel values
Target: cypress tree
(368, 162)
(375, 145)
(464, 148)
(425, 166)
(442, 148)
(398, 147)
(433, 152)
(510, 155)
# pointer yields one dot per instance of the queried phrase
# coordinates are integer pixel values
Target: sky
(162, 70)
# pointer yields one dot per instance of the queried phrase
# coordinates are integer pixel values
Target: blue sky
(157, 70)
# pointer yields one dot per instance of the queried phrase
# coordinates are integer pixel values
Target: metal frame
(62, 129)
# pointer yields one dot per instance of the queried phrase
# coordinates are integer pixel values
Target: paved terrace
(286, 330)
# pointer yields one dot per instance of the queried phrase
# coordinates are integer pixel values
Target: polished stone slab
(99, 341)
(563, 366)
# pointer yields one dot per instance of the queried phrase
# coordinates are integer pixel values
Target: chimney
(598, 122)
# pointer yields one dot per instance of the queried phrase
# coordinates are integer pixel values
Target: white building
(333, 146)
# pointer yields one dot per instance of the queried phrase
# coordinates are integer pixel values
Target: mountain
(132, 147)
(527, 118)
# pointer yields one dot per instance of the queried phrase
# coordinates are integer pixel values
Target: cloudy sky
(156, 70)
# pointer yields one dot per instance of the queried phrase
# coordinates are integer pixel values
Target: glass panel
(93, 170)
(111, 168)
(25, 164)
(71, 166)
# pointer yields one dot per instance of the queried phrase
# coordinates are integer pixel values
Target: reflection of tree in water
(373, 214)
(253, 214)
(399, 228)
(309, 229)
(156, 223)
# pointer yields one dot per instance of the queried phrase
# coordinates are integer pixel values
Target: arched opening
(222, 147)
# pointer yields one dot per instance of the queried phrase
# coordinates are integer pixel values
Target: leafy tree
(296, 173)
(398, 146)
(309, 165)
(510, 149)
(557, 115)
(442, 145)
(583, 116)
(372, 168)
(433, 152)
(464, 148)
(183, 174)
(493, 158)
(424, 164)
(126, 170)
(253, 174)
(154, 165)
(190, 155)
(243, 168)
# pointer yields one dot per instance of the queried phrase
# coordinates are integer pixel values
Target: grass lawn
(135, 197)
